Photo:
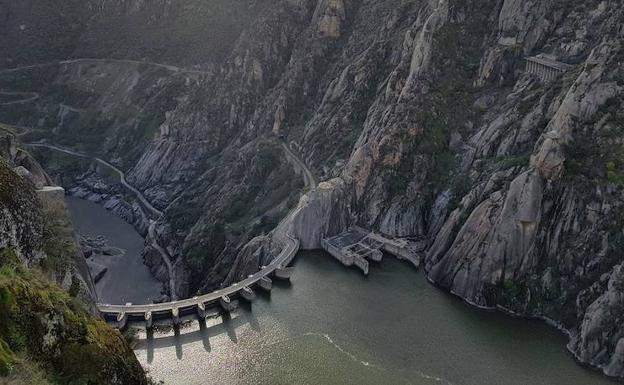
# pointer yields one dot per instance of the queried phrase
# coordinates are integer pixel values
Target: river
(332, 325)
(127, 278)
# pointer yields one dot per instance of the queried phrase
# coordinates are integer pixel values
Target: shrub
(78, 348)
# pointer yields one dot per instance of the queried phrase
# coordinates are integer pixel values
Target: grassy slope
(46, 334)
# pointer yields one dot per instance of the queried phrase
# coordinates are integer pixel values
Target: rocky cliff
(420, 116)
(48, 330)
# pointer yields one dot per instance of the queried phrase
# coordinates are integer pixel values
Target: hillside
(420, 116)
(49, 330)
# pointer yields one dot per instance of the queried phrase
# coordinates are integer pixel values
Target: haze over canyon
(244, 142)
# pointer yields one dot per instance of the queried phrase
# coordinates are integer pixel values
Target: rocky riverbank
(113, 197)
(93, 188)
(95, 247)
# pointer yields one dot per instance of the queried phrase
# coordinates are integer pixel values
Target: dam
(118, 315)
(390, 326)
(331, 325)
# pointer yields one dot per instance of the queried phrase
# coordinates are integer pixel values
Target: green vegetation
(268, 156)
(399, 178)
(598, 157)
(58, 237)
(181, 216)
(202, 255)
(10, 187)
(527, 104)
(615, 174)
(6, 357)
(507, 162)
(513, 294)
(43, 329)
(527, 295)
(19, 203)
(265, 186)
(446, 108)
(57, 163)
(46, 334)
(267, 170)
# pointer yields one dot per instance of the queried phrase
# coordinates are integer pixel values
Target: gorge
(485, 136)
(264, 342)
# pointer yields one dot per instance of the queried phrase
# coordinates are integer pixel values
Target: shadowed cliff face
(421, 110)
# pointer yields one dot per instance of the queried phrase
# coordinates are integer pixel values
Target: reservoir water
(127, 278)
(332, 325)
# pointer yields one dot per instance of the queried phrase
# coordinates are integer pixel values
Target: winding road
(13, 129)
(93, 60)
(281, 261)
(166, 257)
(155, 213)
(298, 164)
(30, 97)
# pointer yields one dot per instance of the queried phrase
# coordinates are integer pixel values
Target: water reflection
(334, 326)
(128, 279)
(203, 329)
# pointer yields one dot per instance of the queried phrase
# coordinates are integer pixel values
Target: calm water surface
(334, 326)
(127, 279)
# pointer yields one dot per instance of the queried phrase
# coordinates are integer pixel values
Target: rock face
(21, 224)
(419, 117)
(329, 15)
(48, 328)
(319, 214)
(600, 338)
(544, 243)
